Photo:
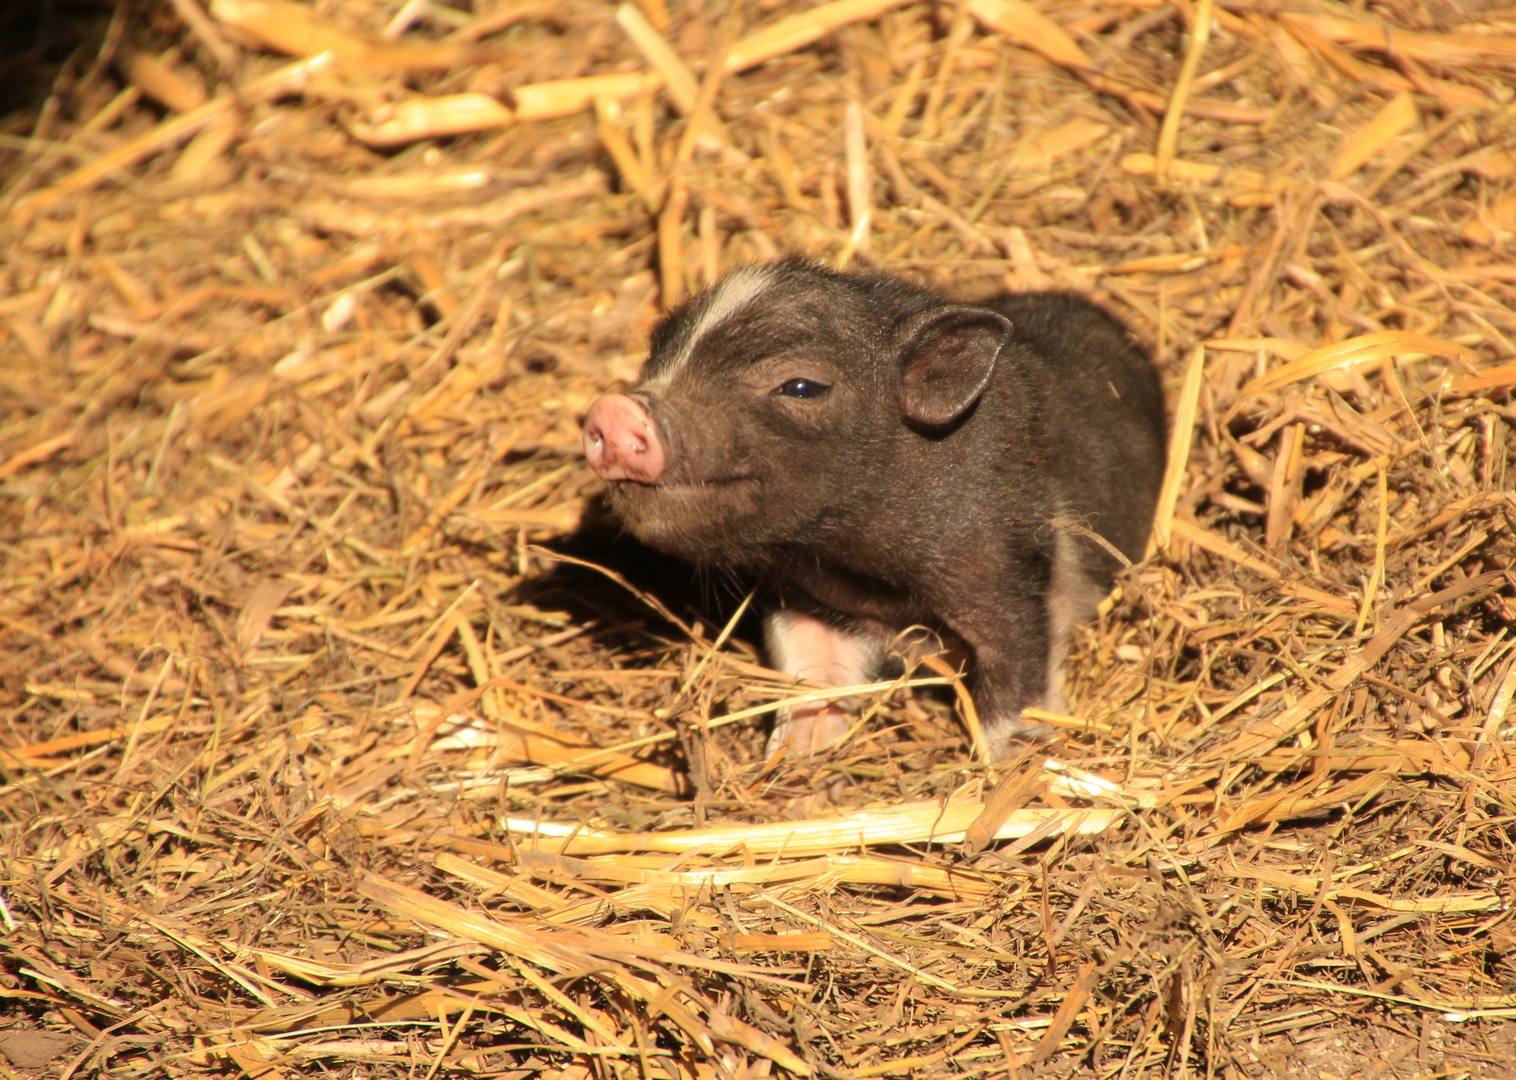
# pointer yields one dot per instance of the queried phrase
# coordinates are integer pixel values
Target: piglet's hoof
(1014, 737)
(798, 737)
(805, 731)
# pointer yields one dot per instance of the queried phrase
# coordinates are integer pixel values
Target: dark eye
(804, 388)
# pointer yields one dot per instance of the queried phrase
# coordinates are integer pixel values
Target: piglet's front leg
(1013, 651)
(808, 647)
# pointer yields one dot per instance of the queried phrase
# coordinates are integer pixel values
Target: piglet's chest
(852, 593)
(901, 569)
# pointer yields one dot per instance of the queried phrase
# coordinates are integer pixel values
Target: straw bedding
(340, 734)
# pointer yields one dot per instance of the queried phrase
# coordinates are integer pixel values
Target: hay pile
(325, 749)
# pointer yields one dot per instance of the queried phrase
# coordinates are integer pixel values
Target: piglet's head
(773, 408)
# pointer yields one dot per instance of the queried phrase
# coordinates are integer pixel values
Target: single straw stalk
(1180, 440)
(1168, 134)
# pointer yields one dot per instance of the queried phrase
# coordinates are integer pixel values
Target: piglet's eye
(803, 388)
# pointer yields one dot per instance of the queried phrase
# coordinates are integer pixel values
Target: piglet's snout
(621, 441)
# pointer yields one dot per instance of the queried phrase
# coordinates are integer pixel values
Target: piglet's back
(1104, 412)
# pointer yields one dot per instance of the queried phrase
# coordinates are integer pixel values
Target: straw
(430, 118)
(1398, 116)
(169, 133)
(1168, 134)
(859, 183)
(159, 81)
(1182, 431)
(1021, 21)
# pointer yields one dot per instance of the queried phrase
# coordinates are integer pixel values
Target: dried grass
(327, 748)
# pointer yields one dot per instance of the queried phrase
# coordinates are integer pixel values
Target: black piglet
(881, 457)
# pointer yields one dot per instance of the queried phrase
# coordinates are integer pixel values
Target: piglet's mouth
(684, 489)
(701, 485)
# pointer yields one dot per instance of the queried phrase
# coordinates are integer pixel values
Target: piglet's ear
(947, 362)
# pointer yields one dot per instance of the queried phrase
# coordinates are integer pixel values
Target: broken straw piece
(428, 118)
(204, 149)
(1018, 19)
(1239, 187)
(159, 81)
(1395, 118)
(565, 97)
(294, 29)
(919, 822)
(1354, 352)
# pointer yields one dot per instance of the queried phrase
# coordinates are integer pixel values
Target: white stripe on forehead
(735, 292)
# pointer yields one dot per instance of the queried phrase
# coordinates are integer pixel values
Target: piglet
(880, 457)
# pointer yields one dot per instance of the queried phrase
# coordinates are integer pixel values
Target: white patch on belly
(806, 647)
(735, 292)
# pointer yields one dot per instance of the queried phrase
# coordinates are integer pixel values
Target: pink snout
(621, 441)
